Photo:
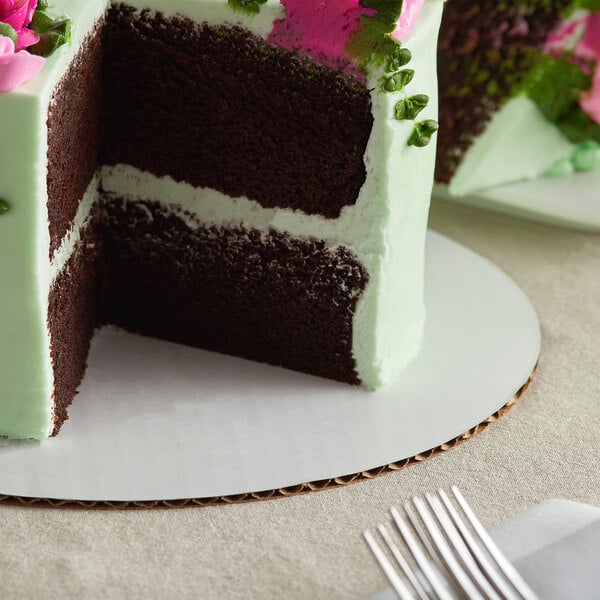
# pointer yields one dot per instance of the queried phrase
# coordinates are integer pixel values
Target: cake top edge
(349, 35)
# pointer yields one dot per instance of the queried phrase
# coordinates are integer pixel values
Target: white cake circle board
(159, 421)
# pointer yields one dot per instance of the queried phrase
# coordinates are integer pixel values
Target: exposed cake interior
(202, 172)
(155, 268)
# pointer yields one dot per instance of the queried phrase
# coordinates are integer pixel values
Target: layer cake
(250, 177)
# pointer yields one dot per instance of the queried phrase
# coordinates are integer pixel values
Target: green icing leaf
(398, 81)
(578, 127)
(53, 32)
(555, 85)
(398, 58)
(408, 109)
(7, 31)
(373, 43)
(587, 4)
(42, 5)
(422, 132)
(388, 12)
(251, 7)
(586, 157)
(4, 206)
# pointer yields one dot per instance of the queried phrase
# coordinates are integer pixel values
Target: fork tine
(431, 575)
(402, 562)
(452, 565)
(386, 566)
(509, 571)
(494, 574)
(461, 549)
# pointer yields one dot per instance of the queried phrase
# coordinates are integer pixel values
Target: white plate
(157, 421)
(571, 201)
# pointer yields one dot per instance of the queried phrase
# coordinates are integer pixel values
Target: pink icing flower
(16, 67)
(582, 37)
(18, 14)
(590, 101)
(319, 28)
(589, 48)
(411, 10)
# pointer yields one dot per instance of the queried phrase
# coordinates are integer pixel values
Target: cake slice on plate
(520, 91)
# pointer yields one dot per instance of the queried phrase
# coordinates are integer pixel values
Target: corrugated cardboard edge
(302, 488)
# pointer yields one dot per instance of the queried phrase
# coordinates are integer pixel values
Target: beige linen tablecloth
(548, 446)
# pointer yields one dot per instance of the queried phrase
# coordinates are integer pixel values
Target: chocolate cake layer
(484, 50)
(218, 107)
(73, 313)
(266, 297)
(73, 137)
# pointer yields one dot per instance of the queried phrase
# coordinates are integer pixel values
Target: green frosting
(398, 81)
(409, 108)
(7, 31)
(422, 132)
(585, 159)
(374, 46)
(561, 168)
(586, 4)
(53, 33)
(251, 7)
(4, 206)
(555, 85)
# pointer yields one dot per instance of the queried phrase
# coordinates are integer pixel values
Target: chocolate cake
(519, 91)
(249, 177)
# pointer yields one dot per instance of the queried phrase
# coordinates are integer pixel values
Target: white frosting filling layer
(385, 228)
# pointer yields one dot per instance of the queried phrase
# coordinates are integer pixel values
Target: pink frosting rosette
(16, 68)
(582, 37)
(590, 47)
(411, 10)
(18, 14)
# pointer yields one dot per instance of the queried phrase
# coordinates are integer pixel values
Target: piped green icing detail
(409, 108)
(374, 46)
(399, 57)
(251, 7)
(422, 132)
(561, 168)
(53, 33)
(398, 81)
(4, 206)
(7, 31)
(587, 4)
(555, 85)
(586, 157)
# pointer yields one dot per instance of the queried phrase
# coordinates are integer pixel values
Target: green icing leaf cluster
(7, 31)
(4, 207)
(555, 85)
(373, 43)
(53, 33)
(587, 4)
(251, 7)
(374, 46)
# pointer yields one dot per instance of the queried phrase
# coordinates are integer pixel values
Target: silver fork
(448, 553)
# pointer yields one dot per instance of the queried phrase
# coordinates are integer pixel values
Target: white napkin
(556, 548)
